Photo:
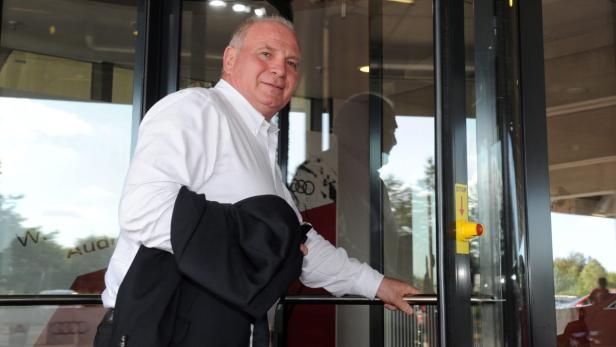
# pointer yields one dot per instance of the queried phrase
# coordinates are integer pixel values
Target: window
(66, 80)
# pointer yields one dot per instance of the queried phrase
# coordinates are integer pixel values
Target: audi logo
(68, 328)
(302, 187)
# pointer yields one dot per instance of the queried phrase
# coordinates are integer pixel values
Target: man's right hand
(392, 292)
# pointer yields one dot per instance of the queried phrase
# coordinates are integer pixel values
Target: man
(220, 142)
(600, 293)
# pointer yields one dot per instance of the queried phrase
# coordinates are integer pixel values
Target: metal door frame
(157, 73)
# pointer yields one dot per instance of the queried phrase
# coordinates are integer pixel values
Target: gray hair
(240, 33)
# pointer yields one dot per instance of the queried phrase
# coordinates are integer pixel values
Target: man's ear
(228, 59)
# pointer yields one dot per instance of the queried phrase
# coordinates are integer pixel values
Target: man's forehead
(272, 34)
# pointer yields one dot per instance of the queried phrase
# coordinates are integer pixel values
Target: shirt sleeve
(326, 266)
(331, 268)
(177, 139)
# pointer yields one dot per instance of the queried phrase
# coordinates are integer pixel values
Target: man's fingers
(390, 307)
(393, 291)
(404, 307)
(399, 305)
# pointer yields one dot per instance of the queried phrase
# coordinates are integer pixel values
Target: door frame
(156, 77)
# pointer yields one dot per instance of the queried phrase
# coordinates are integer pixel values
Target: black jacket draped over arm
(229, 266)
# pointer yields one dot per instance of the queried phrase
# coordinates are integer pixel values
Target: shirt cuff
(368, 282)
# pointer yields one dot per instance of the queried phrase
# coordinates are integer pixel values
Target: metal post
(536, 186)
(157, 53)
(375, 20)
(454, 282)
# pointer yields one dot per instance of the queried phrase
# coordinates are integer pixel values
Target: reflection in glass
(70, 326)
(419, 329)
(329, 150)
(60, 189)
(65, 133)
(493, 129)
(580, 86)
(409, 181)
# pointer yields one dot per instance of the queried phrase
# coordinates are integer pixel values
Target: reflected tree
(10, 225)
(429, 181)
(31, 260)
(401, 204)
(611, 279)
(35, 263)
(589, 276)
(566, 273)
(427, 188)
(577, 275)
(10, 221)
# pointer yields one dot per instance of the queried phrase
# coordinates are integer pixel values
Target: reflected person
(331, 188)
(600, 293)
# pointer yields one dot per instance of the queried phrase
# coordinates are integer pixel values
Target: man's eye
(292, 64)
(266, 54)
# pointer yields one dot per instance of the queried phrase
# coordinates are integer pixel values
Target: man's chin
(273, 103)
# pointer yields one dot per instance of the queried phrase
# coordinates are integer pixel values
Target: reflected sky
(68, 160)
(415, 145)
(589, 235)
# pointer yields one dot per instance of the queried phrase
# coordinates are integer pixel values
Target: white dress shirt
(215, 143)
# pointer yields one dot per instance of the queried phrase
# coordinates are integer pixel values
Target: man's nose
(278, 67)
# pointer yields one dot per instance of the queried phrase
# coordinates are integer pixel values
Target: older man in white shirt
(220, 142)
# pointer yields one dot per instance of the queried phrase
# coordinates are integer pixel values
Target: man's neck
(229, 81)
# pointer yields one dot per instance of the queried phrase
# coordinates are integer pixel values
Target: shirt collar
(254, 119)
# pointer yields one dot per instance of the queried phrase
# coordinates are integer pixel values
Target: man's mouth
(281, 87)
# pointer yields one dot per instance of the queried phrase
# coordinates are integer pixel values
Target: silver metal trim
(89, 299)
(358, 300)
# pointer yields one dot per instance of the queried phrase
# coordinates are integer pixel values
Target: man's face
(265, 69)
(389, 129)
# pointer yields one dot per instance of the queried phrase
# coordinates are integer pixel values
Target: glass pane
(42, 326)
(66, 80)
(419, 329)
(408, 144)
(328, 162)
(410, 244)
(493, 128)
(580, 73)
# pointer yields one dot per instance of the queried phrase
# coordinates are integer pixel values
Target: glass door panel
(498, 257)
(329, 162)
